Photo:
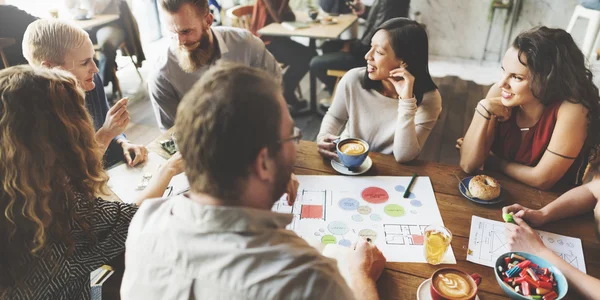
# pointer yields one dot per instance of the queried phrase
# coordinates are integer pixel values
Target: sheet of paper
(340, 209)
(124, 180)
(487, 243)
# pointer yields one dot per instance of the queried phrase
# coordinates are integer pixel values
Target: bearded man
(195, 48)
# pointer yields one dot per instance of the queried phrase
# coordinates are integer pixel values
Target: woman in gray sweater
(392, 103)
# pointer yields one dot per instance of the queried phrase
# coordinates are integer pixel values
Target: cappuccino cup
(454, 284)
(352, 151)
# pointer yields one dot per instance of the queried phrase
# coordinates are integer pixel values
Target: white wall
(458, 28)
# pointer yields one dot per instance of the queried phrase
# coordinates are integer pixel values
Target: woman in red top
(536, 122)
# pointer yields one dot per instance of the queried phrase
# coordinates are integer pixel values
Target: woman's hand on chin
(403, 81)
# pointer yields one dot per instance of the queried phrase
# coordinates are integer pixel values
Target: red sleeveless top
(528, 151)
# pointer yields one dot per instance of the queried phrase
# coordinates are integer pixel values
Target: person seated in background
(13, 23)
(54, 230)
(233, 245)
(336, 7)
(54, 43)
(108, 37)
(346, 55)
(196, 48)
(393, 103)
(285, 50)
(521, 237)
(540, 119)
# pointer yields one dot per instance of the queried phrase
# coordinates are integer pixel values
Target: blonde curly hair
(48, 155)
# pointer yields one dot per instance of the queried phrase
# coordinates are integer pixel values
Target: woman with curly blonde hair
(53, 229)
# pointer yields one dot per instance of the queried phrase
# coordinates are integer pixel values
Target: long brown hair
(48, 154)
(559, 72)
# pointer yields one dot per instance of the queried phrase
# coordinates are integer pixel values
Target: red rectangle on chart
(417, 239)
(311, 212)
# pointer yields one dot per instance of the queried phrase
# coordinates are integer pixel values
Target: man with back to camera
(221, 240)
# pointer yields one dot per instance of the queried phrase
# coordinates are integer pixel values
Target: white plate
(332, 21)
(423, 292)
(366, 165)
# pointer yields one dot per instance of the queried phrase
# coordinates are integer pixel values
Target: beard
(282, 177)
(192, 56)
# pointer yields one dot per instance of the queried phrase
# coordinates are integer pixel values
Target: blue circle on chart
(357, 218)
(400, 188)
(345, 243)
(348, 204)
(412, 195)
(416, 203)
(337, 227)
(375, 217)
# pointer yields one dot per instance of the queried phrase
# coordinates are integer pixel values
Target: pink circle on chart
(375, 195)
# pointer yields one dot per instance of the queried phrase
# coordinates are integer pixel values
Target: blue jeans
(109, 38)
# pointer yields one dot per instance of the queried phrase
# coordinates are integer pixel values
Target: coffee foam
(453, 285)
(353, 147)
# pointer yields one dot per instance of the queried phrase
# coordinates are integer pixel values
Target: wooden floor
(459, 99)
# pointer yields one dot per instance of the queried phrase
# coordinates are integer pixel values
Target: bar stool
(593, 27)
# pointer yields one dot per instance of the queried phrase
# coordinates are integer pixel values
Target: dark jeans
(333, 59)
(297, 57)
(109, 38)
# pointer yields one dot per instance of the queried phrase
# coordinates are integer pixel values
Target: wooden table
(401, 280)
(96, 21)
(314, 32)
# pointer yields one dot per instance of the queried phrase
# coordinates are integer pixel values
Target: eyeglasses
(296, 137)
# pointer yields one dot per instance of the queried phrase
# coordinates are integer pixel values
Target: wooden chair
(5, 43)
(338, 74)
(241, 17)
(326, 102)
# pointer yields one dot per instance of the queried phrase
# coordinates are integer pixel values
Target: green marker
(508, 218)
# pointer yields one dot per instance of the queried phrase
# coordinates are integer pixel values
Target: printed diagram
(570, 258)
(404, 234)
(339, 210)
(487, 243)
(489, 240)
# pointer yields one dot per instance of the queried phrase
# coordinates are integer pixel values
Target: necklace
(524, 129)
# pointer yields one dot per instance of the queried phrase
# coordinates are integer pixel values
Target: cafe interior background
(466, 43)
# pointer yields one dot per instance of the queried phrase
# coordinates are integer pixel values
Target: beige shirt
(389, 125)
(168, 83)
(180, 249)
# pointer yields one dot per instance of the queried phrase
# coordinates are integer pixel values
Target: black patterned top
(53, 275)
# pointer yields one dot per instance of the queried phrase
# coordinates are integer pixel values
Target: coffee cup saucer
(423, 292)
(366, 166)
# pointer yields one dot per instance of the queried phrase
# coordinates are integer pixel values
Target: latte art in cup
(353, 148)
(453, 285)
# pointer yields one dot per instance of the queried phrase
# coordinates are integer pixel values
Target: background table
(315, 31)
(401, 280)
(96, 21)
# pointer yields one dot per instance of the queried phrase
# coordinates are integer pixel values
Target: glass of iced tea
(437, 241)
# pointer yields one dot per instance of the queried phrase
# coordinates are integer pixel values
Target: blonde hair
(48, 156)
(50, 40)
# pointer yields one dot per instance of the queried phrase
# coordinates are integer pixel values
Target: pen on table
(412, 180)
